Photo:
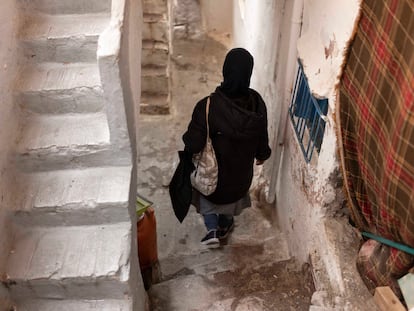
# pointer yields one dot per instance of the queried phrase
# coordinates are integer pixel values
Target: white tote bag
(204, 177)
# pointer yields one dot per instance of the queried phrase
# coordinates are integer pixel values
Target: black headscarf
(237, 70)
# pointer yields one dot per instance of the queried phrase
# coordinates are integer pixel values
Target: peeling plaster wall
(8, 119)
(321, 48)
(310, 197)
(270, 30)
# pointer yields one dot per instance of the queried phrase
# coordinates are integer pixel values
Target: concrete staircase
(252, 269)
(155, 58)
(71, 226)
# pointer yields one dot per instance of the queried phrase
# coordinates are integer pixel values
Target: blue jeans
(214, 221)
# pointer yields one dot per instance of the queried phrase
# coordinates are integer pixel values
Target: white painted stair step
(63, 38)
(49, 133)
(61, 88)
(81, 262)
(67, 7)
(76, 305)
(75, 196)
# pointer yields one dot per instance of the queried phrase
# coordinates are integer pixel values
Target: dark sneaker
(223, 233)
(211, 239)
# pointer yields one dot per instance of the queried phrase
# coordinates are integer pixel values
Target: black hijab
(237, 70)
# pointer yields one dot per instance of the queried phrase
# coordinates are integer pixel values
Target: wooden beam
(386, 300)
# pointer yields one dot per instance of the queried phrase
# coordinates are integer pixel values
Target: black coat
(238, 129)
(180, 186)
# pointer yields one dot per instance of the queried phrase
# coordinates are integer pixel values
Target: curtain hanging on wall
(376, 134)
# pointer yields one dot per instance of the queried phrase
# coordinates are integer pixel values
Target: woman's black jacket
(238, 129)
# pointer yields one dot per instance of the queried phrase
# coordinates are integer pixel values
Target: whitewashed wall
(8, 122)
(321, 48)
(269, 30)
(309, 198)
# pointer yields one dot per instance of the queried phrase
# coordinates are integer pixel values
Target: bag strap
(207, 113)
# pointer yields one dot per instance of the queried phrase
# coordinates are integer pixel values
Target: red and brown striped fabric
(376, 134)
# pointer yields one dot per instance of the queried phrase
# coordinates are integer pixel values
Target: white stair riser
(67, 7)
(76, 305)
(63, 50)
(76, 288)
(74, 215)
(67, 158)
(77, 100)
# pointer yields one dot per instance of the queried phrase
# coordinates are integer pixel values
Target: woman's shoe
(211, 239)
(223, 233)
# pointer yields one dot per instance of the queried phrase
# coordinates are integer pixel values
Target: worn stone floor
(253, 270)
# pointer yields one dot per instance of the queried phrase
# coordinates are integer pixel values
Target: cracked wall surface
(8, 119)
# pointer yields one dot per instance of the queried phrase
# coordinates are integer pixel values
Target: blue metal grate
(308, 116)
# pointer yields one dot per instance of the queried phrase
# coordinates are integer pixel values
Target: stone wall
(8, 120)
(187, 22)
(192, 18)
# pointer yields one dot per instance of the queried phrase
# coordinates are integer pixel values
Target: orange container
(147, 239)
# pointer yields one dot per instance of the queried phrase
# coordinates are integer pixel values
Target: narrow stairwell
(72, 237)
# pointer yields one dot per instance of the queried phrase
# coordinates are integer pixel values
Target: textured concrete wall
(217, 15)
(187, 21)
(8, 122)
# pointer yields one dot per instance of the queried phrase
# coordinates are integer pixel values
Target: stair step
(153, 29)
(75, 305)
(153, 18)
(154, 54)
(61, 88)
(66, 7)
(75, 197)
(55, 132)
(82, 262)
(154, 81)
(58, 141)
(155, 6)
(63, 38)
(154, 104)
(268, 287)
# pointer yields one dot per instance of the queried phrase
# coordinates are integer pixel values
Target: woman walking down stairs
(252, 268)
